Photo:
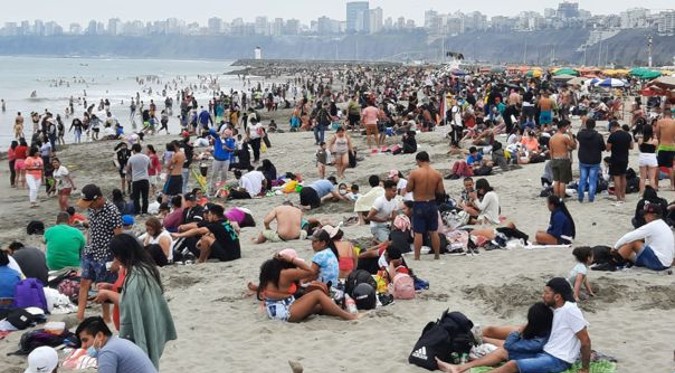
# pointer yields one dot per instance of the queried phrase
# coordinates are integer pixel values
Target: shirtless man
(565, 103)
(174, 186)
(546, 109)
(289, 225)
(561, 144)
(665, 132)
(425, 183)
(18, 126)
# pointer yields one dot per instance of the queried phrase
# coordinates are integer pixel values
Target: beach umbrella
(637, 71)
(458, 72)
(611, 83)
(566, 71)
(595, 81)
(648, 74)
(667, 82)
(563, 77)
(534, 73)
(576, 81)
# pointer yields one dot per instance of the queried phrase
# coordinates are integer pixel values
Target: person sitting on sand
(175, 217)
(364, 202)
(383, 211)
(251, 184)
(561, 229)
(568, 338)
(579, 274)
(348, 257)
(218, 239)
(8, 280)
(325, 265)
(649, 196)
(483, 204)
(113, 354)
(652, 245)
(240, 217)
(158, 242)
(279, 281)
(289, 225)
(512, 342)
(63, 244)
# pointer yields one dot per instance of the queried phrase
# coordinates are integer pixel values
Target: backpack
(30, 293)
(39, 337)
(448, 339)
(403, 286)
(356, 277)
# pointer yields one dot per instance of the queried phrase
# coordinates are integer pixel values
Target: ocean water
(55, 80)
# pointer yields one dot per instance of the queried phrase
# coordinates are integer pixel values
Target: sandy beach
(219, 329)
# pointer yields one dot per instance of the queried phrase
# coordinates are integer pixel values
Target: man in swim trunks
(665, 132)
(546, 109)
(425, 183)
(289, 225)
(561, 144)
(174, 184)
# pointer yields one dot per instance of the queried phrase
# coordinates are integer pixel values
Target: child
(578, 274)
(321, 160)
(354, 194)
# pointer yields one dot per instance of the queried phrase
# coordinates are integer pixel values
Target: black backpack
(356, 277)
(448, 339)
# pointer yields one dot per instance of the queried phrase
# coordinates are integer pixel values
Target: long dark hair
(539, 321)
(559, 204)
(134, 258)
(325, 237)
(14, 144)
(647, 133)
(270, 271)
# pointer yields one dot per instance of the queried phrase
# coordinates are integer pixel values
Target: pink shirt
(369, 115)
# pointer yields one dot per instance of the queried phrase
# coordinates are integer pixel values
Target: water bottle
(350, 304)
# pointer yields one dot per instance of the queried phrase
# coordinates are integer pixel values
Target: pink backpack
(403, 287)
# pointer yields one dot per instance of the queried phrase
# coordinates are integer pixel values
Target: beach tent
(611, 83)
(576, 81)
(566, 71)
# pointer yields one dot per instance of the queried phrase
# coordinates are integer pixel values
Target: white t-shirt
(580, 268)
(563, 342)
(252, 182)
(253, 130)
(155, 241)
(658, 236)
(401, 185)
(489, 208)
(384, 209)
(60, 175)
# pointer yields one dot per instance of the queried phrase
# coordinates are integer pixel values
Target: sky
(67, 11)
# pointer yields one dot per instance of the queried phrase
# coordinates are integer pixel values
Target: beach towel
(77, 359)
(602, 366)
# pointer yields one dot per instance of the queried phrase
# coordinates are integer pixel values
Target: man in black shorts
(218, 240)
(619, 143)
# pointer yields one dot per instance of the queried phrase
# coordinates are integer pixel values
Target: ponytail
(559, 203)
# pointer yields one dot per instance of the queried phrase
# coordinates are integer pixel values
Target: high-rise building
(431, 20)
(215, 26)
(75, 29)
(292, 27)
(261, 26)
(568, 9)
(358, 16)
(114, 26)
(278, 27)
(376, 20)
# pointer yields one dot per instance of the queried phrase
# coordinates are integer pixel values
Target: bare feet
(445, 367)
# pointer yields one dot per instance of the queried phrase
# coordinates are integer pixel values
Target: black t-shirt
(188, 150)
(193, 215)
(225, 235)
(620, 141)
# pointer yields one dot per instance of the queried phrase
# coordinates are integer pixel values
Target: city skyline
(303, 10)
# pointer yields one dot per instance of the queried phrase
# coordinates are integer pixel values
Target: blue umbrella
(611, 83)
(458, 72)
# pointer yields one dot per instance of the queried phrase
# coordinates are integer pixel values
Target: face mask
(343, 191)
(92, 351)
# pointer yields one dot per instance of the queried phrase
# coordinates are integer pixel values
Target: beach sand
(219, 329)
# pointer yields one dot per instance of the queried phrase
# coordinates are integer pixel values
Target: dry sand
(631, 318)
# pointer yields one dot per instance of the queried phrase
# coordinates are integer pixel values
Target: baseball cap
(332, 231)
(215, 209)
(189, 197)
(90, 193)
(185, 134)
(561, 286)
(42, 360)
(127, 220)
(393, 173)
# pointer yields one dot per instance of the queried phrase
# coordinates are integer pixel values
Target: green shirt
(64, 245)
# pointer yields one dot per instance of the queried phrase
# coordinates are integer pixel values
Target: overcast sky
(66, 11)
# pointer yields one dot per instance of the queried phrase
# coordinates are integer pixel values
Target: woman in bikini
(279, 279)
(348, 259)
(340, 146)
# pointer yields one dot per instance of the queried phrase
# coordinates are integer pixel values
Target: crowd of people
(221, 154)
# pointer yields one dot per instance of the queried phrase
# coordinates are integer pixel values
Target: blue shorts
(647, 258)
(425, 216)
(96, 271)
(545, 117)
(542, 363)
